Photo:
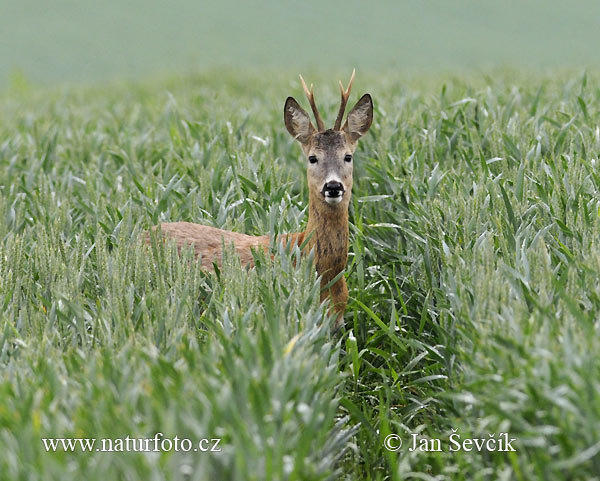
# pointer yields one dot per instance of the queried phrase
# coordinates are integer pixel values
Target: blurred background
(74, 41)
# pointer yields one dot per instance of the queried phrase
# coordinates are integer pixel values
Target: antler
(311, 98)
(345, 95)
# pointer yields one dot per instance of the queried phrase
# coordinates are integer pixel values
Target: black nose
(333, 189)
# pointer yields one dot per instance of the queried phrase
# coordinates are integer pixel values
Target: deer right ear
(297, 121)
(360, 118)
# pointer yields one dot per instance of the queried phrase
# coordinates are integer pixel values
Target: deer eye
(348, 158)
(312, 159)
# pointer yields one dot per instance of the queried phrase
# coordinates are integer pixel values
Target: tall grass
(473, 277)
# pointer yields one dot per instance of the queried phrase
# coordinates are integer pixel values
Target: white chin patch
(333, 200)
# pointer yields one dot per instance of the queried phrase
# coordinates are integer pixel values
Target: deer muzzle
(333, 191)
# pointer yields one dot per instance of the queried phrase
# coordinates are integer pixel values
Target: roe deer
(329, 173)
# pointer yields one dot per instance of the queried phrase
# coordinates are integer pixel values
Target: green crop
(473, 276)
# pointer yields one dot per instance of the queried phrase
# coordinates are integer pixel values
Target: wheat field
(473, 278)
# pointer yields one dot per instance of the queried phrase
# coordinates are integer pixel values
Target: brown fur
(330, 237)
(208, 242)
(327, 220)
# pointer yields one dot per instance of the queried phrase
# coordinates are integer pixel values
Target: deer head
(329, 151)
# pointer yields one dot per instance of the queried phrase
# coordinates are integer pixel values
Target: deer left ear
(297, 121)
(360, 118)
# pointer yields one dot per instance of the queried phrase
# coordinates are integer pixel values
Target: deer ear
(360, 117)
(297, 121)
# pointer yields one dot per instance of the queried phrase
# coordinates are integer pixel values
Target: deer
(329, 154)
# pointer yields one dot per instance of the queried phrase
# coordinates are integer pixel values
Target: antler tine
(311, 99)
(345, 93)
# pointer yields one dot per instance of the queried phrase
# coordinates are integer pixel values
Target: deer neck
(329, 240)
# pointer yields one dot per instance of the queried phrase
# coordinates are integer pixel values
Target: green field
(473, 276)
(78, 41)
